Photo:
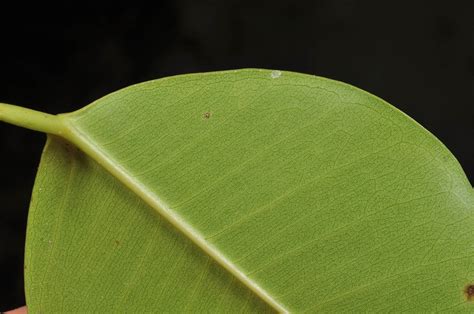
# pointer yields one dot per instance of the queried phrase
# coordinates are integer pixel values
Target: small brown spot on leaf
(117, 242)
(206, 115)
(469, 291)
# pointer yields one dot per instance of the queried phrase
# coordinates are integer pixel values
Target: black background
(419, 57)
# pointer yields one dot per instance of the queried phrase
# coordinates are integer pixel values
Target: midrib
(83, 142)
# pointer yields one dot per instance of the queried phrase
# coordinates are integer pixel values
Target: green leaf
(245, 191)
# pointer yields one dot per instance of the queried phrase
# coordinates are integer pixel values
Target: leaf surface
(248, 191)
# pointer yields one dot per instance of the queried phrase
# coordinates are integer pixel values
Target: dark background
(418, 57)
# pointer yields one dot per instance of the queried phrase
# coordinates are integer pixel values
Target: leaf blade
(329, 140)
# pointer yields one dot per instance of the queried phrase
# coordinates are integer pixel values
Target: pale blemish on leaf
(275, 74)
